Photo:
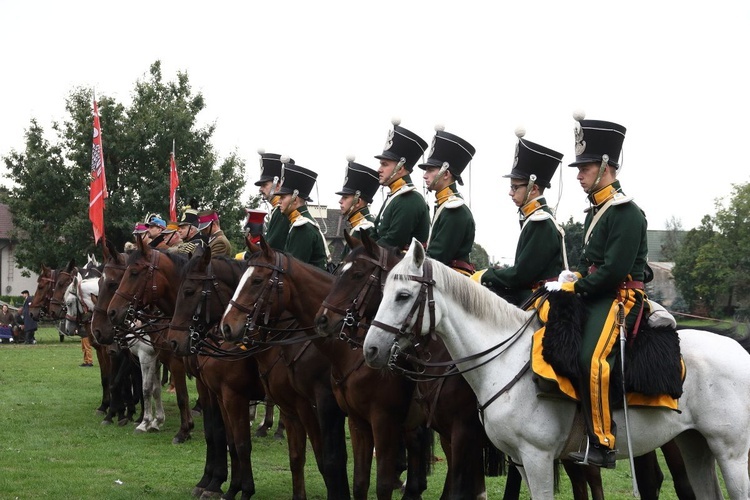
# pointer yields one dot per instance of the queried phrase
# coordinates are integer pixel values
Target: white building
(11, 280)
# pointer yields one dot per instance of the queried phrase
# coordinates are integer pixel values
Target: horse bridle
(262, 305)
(47, 298)
(121, 267)
(354, 314)
(136, 300)
(196, 329)
(52, 300)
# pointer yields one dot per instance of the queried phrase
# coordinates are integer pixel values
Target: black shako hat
(596, 138)
(359, 178)
(403, 143)
(534, 159)
(294, 177)
(451, 149)
(270, 167)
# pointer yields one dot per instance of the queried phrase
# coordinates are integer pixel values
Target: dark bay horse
(449, 402)
(104, 332)
(378, 406)
(206, 287)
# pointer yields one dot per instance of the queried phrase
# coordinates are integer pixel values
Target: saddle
(654, 370)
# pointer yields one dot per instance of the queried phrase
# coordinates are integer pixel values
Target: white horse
(714, 419)
(80, 298)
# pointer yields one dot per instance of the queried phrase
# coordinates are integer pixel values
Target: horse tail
(494, 461)
(164, 375)
(427, 442)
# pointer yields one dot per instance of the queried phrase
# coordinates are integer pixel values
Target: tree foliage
(573, 242)
(712, 269)
(49, 200)
(479, 257)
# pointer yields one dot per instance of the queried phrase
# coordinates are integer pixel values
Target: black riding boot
(595, 453)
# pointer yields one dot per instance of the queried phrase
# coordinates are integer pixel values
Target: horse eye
(188, 292)
(257, 281)
(359, 275)
(402, 296)
(134, 272)
(112, 285)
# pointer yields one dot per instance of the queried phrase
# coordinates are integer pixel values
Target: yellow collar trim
(275, 200)
(356, 218)
(531, 207)
(397, 184)
(443, 195)
(294, 216)
(603, 195)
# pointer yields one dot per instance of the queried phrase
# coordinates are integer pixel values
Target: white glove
(567, 276)
(553, 286)
(660, 317)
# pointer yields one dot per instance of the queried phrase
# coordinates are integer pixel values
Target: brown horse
(378, 407)
(206, 287)
(449, 402)
(104, 333)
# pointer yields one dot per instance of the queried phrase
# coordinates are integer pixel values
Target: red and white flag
(174, 183)
(98, 190)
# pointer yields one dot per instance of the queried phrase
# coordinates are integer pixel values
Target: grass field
(52, 444)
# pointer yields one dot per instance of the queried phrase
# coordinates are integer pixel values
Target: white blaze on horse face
(346, 267)
(237, 291)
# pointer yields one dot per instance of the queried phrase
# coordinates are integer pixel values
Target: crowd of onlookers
(17, 325)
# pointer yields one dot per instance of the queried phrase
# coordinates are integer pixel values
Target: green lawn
(52, 443)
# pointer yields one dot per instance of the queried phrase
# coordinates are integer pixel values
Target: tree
(479, 257)
(672, 242)
(137, 141)
(573, 242)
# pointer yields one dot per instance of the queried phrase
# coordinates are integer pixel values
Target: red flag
(98, 190)
(174, 183)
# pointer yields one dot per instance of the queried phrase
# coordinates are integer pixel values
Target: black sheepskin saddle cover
(653, 365)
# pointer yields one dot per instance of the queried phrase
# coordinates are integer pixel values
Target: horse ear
(144, 247)
(267, 250)
(110, 251)
(252, 247)
(206, 257)
(351, 240)
(370, 245)
(71, 265)
(416, 250)
(44, 271)
(94, 298)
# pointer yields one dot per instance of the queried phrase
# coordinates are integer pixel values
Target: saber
(621, 324)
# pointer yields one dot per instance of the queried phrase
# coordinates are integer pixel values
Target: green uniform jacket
(403, 216)
(277, 230)
(538, 257)
(305, 241)
(617, 246)
(452, 234)
(366, 224)
(219, 244)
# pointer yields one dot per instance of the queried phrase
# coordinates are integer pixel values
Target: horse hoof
(106, 422)
(139, 430)
(179, 438)
(100, 412)
(279, 436)
(211, 494)
(123, 422)
(197, 491)
(261, 432)
(195, 413)
(151, 430)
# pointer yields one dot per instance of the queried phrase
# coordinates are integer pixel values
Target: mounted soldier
(188, 229)
(253, 228)
(404, 215)
(156, 226)
(305, 240)
(210, 228)
(612, 274)
(540, 252)
(171, 234)
(452, 232)
(277, 224)
(360, 185)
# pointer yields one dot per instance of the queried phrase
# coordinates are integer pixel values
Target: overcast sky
(321, 80)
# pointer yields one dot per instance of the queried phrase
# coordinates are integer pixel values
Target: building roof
(657, 240)
(6, 222)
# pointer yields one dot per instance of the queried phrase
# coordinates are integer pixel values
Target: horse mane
(237, 266)
(472, 297)
(358, 251)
